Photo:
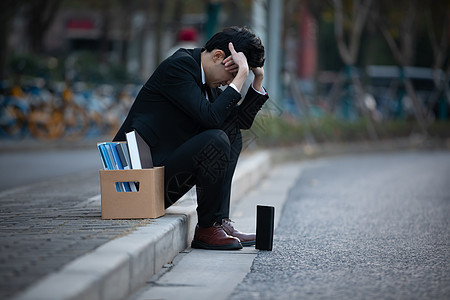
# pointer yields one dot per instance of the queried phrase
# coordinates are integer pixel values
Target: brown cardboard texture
(148, 202)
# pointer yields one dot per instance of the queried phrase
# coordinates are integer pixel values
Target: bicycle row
(63, 110)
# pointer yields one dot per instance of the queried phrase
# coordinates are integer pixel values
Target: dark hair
(243, 41)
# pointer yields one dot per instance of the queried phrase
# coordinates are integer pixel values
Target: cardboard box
(148, 202)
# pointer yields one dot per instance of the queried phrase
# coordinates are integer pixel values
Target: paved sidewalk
(44, 226)
(51, 230)
(200, 274)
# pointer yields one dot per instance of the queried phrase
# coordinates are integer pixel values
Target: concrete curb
(119, 267)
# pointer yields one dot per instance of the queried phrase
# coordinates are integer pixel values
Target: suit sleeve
(250, 106)
(179, 84)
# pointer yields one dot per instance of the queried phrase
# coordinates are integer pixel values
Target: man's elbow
(245, 124)
(213, 121)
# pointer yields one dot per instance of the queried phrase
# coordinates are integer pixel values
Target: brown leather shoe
(247, 239)
(214, 238)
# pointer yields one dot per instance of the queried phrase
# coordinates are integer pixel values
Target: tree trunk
(41, 14)
(159, 28)
(7, 11)
(104, 35)
(403, 55)
(177, 18)
(127, 9)
(349, 53)
(438, 18)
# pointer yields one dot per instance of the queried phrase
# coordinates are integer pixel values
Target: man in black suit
(194, 128)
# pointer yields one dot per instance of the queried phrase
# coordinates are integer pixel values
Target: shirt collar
(203, 74)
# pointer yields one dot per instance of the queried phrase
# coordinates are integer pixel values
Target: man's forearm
(258, 80)
(257, 83)
(240, 78)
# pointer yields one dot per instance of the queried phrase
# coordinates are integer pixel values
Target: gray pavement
(361, 227)
(201, 274)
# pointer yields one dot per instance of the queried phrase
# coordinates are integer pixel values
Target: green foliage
(329, 58)
(440, 129)
(87, 67)
(27, 64)
(32, 66)
(279, 131)
(83, 66)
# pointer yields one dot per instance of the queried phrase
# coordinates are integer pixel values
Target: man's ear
(218, 55)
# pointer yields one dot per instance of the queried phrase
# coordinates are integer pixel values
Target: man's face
(216, 75)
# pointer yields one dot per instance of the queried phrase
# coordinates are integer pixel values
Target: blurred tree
(8, 9)
(437, 21)
(160, 9)
(397, 21)
(236, 13)
(212, 17)
(40, 14)
(105, 7)
(126, 7)
(329, 58)
(178, 12)
(348, 33)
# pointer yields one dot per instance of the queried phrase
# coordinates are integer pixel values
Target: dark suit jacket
(171, 108)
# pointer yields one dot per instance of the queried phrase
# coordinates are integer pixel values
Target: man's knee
(218, 139)
(213, 159)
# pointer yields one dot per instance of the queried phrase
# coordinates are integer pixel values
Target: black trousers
(208, 161)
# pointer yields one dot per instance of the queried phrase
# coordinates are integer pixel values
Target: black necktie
(203, 87)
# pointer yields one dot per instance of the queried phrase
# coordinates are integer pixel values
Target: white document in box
(140, 154)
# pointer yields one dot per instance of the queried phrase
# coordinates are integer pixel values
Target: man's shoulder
(183, 55)
(183, 52)
(183, 60)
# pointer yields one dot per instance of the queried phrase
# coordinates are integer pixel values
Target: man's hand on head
(237, 62)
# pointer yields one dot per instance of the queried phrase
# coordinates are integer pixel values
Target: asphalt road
(20, 168)
(361, 227)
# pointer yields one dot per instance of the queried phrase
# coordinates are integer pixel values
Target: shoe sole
(248, 243)
(201, 245)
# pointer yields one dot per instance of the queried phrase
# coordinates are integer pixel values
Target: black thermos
(264, 227)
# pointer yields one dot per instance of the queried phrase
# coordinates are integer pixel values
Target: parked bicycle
(63, 111)
(54, 116)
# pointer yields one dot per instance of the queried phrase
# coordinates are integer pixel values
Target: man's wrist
(257, 84)
(240, 78)
(234, 87)
(260, 90)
